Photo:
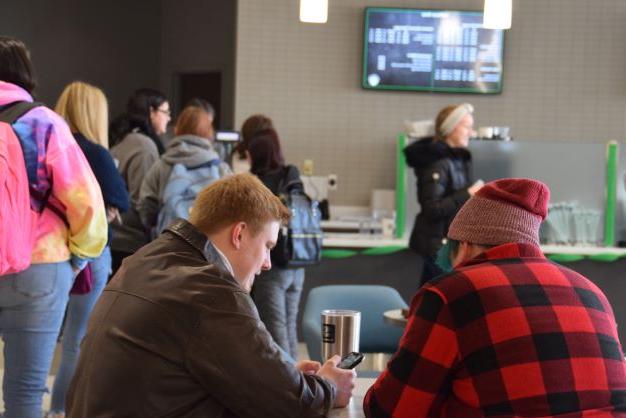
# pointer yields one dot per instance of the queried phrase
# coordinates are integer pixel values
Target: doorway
(207, 86)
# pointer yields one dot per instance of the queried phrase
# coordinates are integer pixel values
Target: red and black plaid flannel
(507, 334)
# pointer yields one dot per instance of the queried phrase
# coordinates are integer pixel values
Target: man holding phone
(176, 334)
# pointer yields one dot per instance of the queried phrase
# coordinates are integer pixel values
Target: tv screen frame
(429, 88)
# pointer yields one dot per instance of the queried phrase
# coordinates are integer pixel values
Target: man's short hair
(237, 198)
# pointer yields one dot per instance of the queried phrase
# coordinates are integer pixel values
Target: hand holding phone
(343, 379)
(350, 360)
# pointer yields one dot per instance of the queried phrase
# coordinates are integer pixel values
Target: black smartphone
(350, 360)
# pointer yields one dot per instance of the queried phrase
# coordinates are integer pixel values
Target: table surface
(355, 407)
(395, 317)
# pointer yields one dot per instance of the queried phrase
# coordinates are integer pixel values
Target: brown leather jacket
(174, 335)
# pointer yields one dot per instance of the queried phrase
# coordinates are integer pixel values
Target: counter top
(582, 250)
(356, 240)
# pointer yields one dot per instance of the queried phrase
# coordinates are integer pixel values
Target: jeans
(78, 311)
(32, 304)
(276, 294)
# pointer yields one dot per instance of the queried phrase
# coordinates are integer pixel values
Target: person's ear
(462, 254)
(236, 234)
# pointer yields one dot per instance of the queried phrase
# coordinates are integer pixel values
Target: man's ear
(236, 234)
(462, 254)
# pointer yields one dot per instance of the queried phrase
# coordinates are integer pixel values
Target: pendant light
(314, 11)
(497, 14)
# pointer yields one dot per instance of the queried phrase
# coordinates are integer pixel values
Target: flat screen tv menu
(431, 50)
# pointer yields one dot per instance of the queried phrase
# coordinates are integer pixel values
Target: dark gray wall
(115, 45)
(199, 36)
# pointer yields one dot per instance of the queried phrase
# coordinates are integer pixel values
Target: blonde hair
(441, 117)
(237, 198)
(85, 109)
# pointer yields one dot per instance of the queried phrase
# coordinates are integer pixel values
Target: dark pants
(430, 269)
(116, 260)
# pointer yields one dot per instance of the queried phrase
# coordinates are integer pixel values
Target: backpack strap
(285, 186)
(10, 113)
(209, 163)
(58, 212)
(13, 111)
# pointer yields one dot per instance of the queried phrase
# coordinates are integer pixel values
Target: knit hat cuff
(489, 222)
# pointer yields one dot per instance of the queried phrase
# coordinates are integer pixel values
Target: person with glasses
(137, 147)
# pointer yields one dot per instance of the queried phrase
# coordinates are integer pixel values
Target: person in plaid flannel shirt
(508, 333)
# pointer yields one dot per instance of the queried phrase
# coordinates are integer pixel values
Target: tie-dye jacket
(74, 188)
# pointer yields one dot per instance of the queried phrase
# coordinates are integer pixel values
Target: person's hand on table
(344, 380)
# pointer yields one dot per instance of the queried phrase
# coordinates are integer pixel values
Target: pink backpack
(17, 220)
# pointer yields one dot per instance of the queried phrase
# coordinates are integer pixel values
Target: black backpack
(299, 242)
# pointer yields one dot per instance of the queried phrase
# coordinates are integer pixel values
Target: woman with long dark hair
(276, 292)
(147, 115)
(239, 160)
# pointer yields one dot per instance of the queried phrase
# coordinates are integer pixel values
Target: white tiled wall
(564, 79)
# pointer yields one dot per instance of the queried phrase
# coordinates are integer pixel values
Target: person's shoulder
(132, 143)
(291, 176)
(462, 281)
(87, 145)
(573, 278)
(139, 138)
(292, 171)
(44, 116)
(216, 291)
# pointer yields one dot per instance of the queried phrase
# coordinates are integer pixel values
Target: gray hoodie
(188, 150)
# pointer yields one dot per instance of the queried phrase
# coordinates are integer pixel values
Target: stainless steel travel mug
(341, 330)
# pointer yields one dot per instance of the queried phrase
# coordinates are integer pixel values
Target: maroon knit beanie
(507, 210)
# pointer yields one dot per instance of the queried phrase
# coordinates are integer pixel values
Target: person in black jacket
(277, 292)
(442, 167)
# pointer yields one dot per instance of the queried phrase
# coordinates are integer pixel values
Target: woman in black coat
(442, 166)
